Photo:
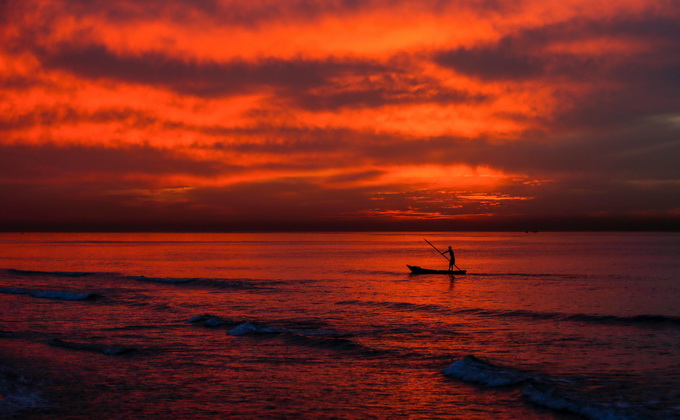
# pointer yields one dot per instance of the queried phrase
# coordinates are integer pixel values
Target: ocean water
(332, 325)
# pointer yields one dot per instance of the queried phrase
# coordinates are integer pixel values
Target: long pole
(436, 249)
(439, 252)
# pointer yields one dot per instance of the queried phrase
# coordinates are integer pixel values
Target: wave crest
(14, 271)
(472, 369)
(50, 294)
(550, 396)
(554, 393)
(299, 336)
(109, 350)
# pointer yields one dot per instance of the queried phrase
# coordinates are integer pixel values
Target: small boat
(417, 270)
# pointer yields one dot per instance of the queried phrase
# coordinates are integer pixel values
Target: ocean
(333, 325)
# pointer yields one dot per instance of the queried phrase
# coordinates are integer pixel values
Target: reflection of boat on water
(418, 270)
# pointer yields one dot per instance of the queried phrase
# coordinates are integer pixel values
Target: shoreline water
(323, 333)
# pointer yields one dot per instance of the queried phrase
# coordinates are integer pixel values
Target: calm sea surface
(544, 325)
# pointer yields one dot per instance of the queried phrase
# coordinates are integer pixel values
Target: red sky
(339, 114)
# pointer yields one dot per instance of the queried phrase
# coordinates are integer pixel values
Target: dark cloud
(88, 206)
(354, 176)
(207, 79)
(288, 198)
(50, 163)
(274, 204)
(309, 84)
(604, 198)
(230, 12)
(58, 114)
(634, 150)
(288, 203)
(526, 54)
(622, 85)
(606, 107)
(497, 62)
(518, 57)
(638, 161)
(256, 14)
(625, 172)
(17, 83)
(564, 204)
(609, 150)
(378, 96)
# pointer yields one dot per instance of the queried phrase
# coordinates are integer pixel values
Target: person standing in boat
(451, 258)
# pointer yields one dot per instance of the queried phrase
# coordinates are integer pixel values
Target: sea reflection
(340, 327)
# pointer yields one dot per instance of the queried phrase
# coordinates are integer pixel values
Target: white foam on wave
(543, 391)
(49, 294)
(239, 327)
(325, 339)
(556, 399)
(472, 369)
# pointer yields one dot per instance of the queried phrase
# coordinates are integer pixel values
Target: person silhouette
(451, 258)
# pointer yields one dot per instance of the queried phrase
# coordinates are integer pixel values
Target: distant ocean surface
(333, 325)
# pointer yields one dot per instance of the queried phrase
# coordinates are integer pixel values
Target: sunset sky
(339, 114)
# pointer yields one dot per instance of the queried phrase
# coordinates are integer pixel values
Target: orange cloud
(433, 109)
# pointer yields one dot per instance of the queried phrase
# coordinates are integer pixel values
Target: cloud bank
(224, 115)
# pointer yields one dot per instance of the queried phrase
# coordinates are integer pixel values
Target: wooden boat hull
(418, 270)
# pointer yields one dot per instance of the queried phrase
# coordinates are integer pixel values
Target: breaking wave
(109, 350)
(319, 339)
(211, 321)
(15, 272)
(544, 391)
(472, 369)
(50, 294)
(551, 396)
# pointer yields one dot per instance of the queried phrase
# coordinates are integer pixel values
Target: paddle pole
(440, 252)
(435, 248)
